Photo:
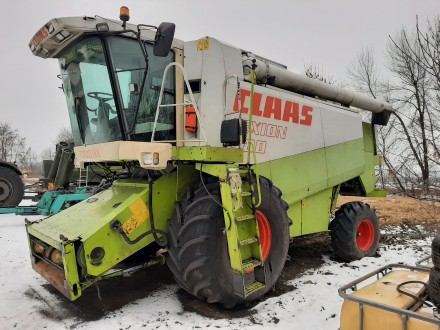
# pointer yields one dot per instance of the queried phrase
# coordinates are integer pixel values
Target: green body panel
(295, 214)
(311, 214)
(208, 154)
(71, 270)
(307, 181)
(315, 212)
(306, 174)
(368, 178)
(89, 222)
(344, 161)
(84, 219)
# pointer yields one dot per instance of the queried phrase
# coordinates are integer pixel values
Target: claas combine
(214, 158)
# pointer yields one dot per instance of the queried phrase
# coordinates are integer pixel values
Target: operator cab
(102, 78)
(112, 74)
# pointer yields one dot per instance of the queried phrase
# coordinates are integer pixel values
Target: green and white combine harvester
(223, 156)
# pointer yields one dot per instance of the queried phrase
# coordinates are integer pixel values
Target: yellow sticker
(140, 215)
(203, 44)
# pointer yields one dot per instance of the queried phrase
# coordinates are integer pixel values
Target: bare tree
(11, 143)
(415, 94)
(364, 75)
(64, 134)
(48, 153)
(409, 144)
(312, 71)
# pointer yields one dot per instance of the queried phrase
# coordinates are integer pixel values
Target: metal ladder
(83, 177)
(243, 235)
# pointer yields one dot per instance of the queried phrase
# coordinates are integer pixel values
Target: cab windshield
(102, 89)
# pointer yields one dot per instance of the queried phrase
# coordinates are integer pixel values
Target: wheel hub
(5, 191)
(365, 235)
(265, 234)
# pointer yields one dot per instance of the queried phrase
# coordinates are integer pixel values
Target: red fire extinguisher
(190, 119)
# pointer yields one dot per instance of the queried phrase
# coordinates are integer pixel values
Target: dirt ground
(397, 210)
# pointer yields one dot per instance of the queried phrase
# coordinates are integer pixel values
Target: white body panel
(284, 123)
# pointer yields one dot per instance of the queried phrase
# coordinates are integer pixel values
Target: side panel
(308, 173)
(307, 180)
(284, 123)
(368, 178)
(315, 213)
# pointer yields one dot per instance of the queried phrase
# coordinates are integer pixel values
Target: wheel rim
(265, 234)
(5, 190)
(365, 235)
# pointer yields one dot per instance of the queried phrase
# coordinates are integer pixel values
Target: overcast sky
(325, 33)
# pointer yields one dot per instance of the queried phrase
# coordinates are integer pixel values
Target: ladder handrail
(193, 103)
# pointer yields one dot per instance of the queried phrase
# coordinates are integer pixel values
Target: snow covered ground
(27, 302)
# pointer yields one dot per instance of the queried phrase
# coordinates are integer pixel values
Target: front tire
(355, 231)
(198, 253)
(11, 188)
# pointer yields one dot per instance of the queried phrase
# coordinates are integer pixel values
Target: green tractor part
(75, 248)
(50, 203)
(212, 156)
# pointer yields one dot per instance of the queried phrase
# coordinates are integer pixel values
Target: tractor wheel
(198, 253)
(434, 286)
(435, 252)
(11, 188)
(355, 231)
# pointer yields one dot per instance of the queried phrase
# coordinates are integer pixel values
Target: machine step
(253, 287)
(245, 217)
(248, 241)
(250, 263)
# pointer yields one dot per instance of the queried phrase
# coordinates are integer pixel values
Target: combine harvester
(224, 156)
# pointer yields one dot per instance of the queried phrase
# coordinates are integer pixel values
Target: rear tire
(435, 252)
(11, 188)
(198, 254)
(355, 231)
(434, 286)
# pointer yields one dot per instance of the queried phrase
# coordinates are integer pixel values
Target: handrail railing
(192, 103)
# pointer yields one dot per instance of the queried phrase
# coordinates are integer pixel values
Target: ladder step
(250, 263)
(245, 193)
(244, 217)
(248, 241)
(252, 287)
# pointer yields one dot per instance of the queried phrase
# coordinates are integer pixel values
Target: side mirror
(163, 39)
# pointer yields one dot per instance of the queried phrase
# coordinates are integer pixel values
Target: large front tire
(11, 188)
(198, 253)
(355, 231)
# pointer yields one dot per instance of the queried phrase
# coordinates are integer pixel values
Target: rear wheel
(11, 188)
(434, 286)
(355, 231)
(198, 253)
(435, 252)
